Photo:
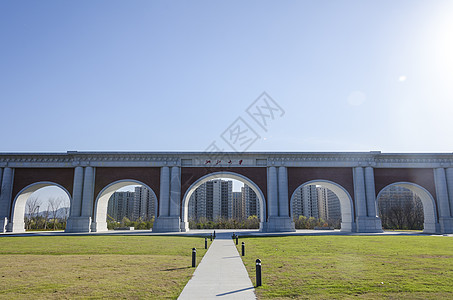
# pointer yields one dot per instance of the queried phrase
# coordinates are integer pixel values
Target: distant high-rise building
(250, 200)
(132, 205)
(397, 194)
(121, 205)
(197, 203)
(315, 201)
(328, 204)
(305, 202)
(238, 206)
(144, 204)
(212, 200)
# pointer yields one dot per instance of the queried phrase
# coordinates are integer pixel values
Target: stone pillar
(76, 205)
(6, 190)
(370, 192)
(277, 185)
(283, 192)
(170, 196)
(449, 175)
(175, 192)
(164, 203)
(443, 203)
(359, 192)
(87, 203)
(272, 192)
(374, 222)
(1, 176)
(363, 199)
(77, 222)
(88, 192)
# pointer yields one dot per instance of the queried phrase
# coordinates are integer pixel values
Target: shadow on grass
(175, 269)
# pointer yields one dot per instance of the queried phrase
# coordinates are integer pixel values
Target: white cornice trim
(227, 159)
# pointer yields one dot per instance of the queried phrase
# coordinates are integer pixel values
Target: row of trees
(125, 222)
(252, 222)
(406, 215)
(310, 223)
(47, 219)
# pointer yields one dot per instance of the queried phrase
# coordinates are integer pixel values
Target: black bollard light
(243, 249)
(258, 272)
(237, 239)
(206, 243)
(214, 234)
(194, 257)
(211, 237)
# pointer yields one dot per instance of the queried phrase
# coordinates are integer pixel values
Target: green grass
(346, 267)
(95, 267)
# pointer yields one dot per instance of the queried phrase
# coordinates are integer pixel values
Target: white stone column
(441, 192)
(76, 205)
(283, 192)
(272, 192)
(449, 175)
(359, 192)
(88, 192)
(175, 192)
(170, 194)
(374, 223)
(77, 222)
(370, 192)
(5, 197)
(445, 219)
(277, 187)
(365, 201)
(1, 176)
(164, 201)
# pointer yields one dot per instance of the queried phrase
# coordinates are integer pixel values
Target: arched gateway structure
(357, 178)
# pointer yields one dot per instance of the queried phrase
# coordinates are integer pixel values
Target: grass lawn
(127, 267)
(338, 267)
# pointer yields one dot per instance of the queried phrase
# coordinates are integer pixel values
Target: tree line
(140, 223)
(47, 219)
(405, 215)
(252, 222)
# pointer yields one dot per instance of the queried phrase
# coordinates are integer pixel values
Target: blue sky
(173, 75)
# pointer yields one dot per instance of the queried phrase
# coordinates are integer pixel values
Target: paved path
(221, 274)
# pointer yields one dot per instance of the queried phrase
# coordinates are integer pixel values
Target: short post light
(243, 249)
(206, 243)
(237, 239)
(214, 234)
(258, 273)
(194, 257)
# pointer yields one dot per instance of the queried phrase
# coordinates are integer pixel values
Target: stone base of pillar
(431, 227)
(184, 226)
(279, 224)
(167, 224)
(348, 227)
(263, 226)
(99, 226)
(78, 224)
(16, 227)
(369, 225)
(446, 225)
(3, 224)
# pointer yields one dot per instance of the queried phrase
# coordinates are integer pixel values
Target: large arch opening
(223, 175)
(346, 208)
(385, 199)
(102, 202)
(45, 205)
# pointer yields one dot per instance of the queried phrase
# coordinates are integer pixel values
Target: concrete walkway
(221, 274)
